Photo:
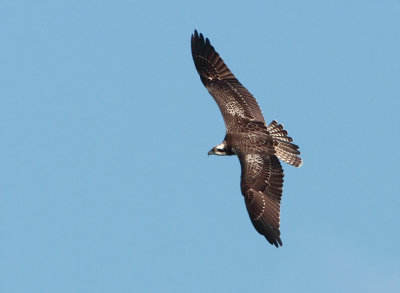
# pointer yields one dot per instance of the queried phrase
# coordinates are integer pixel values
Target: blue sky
(105, 183)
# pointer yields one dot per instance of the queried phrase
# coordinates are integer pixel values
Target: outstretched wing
(261, 184)
(233, 99)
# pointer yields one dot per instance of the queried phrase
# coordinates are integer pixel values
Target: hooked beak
(210, 152)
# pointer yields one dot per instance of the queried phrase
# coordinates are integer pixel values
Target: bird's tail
(285, 150)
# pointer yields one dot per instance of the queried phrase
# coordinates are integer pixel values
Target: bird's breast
(245, 142)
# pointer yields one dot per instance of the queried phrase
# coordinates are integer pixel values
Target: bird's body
(258, 146)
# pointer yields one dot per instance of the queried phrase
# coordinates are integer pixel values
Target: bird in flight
(259, 146)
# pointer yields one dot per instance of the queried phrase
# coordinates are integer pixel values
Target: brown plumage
(258, 146)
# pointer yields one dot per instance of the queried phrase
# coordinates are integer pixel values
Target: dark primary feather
(233, 99)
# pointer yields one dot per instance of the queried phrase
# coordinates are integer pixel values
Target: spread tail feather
(285, 150)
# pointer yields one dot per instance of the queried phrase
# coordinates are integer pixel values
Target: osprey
(259, 146)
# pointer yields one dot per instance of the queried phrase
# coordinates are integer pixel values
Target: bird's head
(220, 150)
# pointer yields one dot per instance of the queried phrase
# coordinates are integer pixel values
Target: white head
(220, 150)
